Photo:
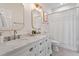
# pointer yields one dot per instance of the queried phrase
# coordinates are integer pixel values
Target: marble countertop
(14, 44)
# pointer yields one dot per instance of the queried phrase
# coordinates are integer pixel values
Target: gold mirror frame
(32, 19)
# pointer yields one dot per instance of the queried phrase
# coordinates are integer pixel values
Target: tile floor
(65, 52)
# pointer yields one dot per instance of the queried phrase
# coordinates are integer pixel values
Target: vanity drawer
(47, 40)
(17, 52)
(48, 51)
(41, 45)
(31, 49)
(41, 52)
(28, 50)
(48, 47)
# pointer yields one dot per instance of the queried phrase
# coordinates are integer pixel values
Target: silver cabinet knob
(46, 40)
(31, 49)
(40, 43)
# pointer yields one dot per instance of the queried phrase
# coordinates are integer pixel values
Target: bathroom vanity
(28, 45)
(38, 45)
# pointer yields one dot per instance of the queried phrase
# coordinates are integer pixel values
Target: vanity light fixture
(61, 3)
(36, 6)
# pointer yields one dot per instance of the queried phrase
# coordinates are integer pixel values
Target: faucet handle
(0, 33)
(18, 36)
(15, 31)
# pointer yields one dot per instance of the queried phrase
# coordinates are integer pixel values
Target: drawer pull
(40, 51)
(50, 54)
(40, 43)
(35, 54)
(46, 40)
(30, 49)
(48, 47)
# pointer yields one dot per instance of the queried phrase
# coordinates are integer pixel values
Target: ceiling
(48, 6)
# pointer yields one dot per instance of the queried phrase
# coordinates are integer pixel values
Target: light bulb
(61, 3)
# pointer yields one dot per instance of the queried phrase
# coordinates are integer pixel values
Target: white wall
(56, 26)
(14, 13)
(77, 28)
(27, 19)
(64, 28)
(27, 22)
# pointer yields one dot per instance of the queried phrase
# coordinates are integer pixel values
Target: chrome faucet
(1, 38)
(15, 34)
(0, 33)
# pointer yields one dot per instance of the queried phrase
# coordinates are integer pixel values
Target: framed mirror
(11, 16)
(37, 20)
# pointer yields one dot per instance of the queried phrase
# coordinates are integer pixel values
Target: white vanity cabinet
(48, 47)
(44, 47)
(29, 50)
(39, 47)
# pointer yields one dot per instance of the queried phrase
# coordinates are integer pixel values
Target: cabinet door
(31, 49)
(17, 52)
(41, 44)
(48, 49)
(40, 47)
(28, 50)
(42, 52)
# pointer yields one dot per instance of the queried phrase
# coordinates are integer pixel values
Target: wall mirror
(37, 19)
(11, 16)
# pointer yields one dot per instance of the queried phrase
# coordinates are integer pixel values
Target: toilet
(55, 45)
